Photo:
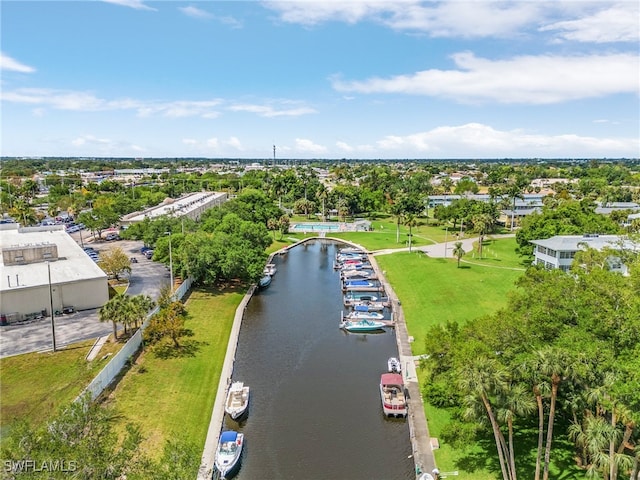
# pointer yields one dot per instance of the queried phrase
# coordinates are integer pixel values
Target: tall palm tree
(482, 224)
(22, 210)
(517, 402)
(480, 381)
(410, 221)
(110, 312)
(458, 252)
(553, 363)
(141, 306)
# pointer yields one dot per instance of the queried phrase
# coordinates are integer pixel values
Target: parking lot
(147, 277)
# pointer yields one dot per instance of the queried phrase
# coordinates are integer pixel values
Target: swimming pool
(315, 227)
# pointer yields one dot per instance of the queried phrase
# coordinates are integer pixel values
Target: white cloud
(478, 140)
(307, 146)
(195, 12)
(135, 4)
(438, 19)
(234, 142)
(88, 102)
(619, 23)
(8, 63)
(212, 143)
(269, 111)
(89, 139)
(189, 141)
(524, 80)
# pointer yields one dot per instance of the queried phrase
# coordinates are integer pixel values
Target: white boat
(270, 269)
(354, 297)
(362, 325)
(366, 306)
(394, 365)
(348, 274)
(394, 402)
(357, 315)
(265, 281)
(228, 452)
(237, 400)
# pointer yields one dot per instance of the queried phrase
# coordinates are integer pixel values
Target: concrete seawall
(418, 428)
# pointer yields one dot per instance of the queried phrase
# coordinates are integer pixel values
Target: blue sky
(332, 79)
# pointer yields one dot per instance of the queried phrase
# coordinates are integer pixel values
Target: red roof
(391, 379)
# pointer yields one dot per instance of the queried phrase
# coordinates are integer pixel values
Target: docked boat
(365, 306)
(358, 283)
(270, 269)
(358, 315)
(265, 281)
(355, 297)
(354, 266)
(362, 325)
(357, 274)
(394, 365)
(394, 402)
(237, 400)
(228, 452)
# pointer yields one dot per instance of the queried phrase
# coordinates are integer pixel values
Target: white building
(558, 251)
(29, 256)
(190, 206)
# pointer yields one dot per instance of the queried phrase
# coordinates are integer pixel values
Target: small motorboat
(357, 274)
(265, 281)
(270, 269)
(362, 325)
(368, 306)
(228, 452)
(237, 400)
(394, 402)
(394, 365)
(358, 315)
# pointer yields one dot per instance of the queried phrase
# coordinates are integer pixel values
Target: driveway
(147, 277)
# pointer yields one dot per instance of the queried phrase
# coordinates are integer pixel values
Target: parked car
(144, 249)
(68, 310)
(112, 236)
(148, 254)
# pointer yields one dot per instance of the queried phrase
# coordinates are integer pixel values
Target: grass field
(171, 393)
(434, 290)
(36, 385)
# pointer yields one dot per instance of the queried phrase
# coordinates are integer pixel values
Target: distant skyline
(329, 80)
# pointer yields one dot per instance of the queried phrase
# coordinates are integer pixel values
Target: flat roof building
(190, 206)
(32, 255)
(558, 251)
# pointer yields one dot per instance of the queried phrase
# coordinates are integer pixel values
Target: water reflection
(315, 407)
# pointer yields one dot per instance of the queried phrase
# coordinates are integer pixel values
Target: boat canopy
(391, 379)
(361, 308)
(228, 436)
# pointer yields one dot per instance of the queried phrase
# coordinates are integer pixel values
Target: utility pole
(53, 325)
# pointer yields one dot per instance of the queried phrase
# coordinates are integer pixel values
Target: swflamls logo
(58, 465)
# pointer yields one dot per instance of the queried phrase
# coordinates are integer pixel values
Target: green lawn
(36, 385)
(497, 253)
(172, 393)
(434, 290)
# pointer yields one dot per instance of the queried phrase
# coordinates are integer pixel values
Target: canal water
(315, 409)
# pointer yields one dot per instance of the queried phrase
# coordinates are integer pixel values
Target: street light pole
(170, 263)
(53, 325)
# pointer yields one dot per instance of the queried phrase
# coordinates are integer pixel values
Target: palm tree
(22, 210)
(553, 363)
(479, 381)
(482, 223)
(141, 306)
(458, 252)
(517, 402)
(410, 221)
(111, 312)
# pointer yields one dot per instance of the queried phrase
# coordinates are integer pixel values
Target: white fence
(120, 359)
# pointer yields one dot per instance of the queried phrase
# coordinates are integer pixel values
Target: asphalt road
(147, 277)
